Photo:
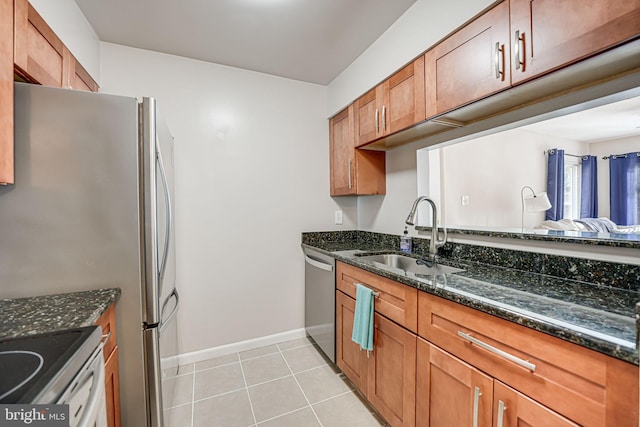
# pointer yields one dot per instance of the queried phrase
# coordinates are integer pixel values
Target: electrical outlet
(465, 200)
(337, 218)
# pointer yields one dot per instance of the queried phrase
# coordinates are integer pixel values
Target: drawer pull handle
(524, 363)
(476, 398)
(501, 409)
(377, 122)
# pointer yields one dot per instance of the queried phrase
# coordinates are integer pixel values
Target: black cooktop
(36, 368)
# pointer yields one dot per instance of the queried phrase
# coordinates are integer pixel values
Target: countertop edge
(49, 313)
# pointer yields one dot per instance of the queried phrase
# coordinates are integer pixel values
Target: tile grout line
(281, 415)
(246, 388)
(300, 387)
(193, 397)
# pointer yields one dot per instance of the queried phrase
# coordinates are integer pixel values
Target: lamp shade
(537, 202)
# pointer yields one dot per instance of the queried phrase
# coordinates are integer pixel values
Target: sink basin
(409, 264)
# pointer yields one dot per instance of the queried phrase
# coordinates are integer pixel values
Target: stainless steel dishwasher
(320, 300)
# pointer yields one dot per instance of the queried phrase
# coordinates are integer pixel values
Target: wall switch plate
(337, 218)
(465, 200)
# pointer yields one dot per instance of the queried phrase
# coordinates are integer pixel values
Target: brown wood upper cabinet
(41, 57)
(353, 171)
(470, 64)
(394, 105)
(6, 92)
(518, 40)
(548, 34)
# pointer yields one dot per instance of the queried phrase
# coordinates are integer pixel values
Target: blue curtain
(555, 184)
(589, 188)
(624, 174)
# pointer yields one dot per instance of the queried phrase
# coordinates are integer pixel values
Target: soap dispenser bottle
(405, 241)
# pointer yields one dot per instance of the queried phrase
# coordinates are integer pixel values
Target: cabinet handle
(476, 398)
(349, 171)
(375, 294)
(501, 409)
(377, 121)
(516, 50)
(499, 58)
(524, 363)
(384, 118)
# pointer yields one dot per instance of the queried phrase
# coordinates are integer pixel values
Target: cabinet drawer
(583, 385)
(395, 301)
(108, 324)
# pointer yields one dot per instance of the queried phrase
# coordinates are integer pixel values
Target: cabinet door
(76, 77)
(392, 373)
(450, 392)
(548, 34)
(112, 386)
(342, 153)
(6, 91)
(39, 53)
(515, 409)
(405, 103)
(368, 116)
(349, 358)
(470, 64)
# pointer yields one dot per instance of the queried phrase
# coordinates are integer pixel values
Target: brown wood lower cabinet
(110, 351)
(387, 377)
(449, 391)
(349, 357)
(456, 373)
(454, 393)
(391, 381)
(112, 385)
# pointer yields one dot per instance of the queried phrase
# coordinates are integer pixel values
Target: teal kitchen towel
(363, 319)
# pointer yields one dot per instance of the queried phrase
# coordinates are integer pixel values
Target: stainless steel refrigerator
(91, 208)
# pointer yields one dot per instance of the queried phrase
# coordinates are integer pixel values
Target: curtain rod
(566, 154)
(615, 156)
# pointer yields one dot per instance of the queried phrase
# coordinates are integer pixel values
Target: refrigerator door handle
(165, 322)
(165, 187)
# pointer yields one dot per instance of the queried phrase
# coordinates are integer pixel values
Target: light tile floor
(281, 385)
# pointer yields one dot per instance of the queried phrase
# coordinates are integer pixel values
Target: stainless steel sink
(409, 264)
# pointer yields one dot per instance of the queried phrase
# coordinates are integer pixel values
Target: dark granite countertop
(48, 313)
(618, 240)
(597, 317)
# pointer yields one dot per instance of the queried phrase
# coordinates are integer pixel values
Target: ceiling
(611, 121)
(308, 40)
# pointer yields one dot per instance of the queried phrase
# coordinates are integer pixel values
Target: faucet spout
(435, 242)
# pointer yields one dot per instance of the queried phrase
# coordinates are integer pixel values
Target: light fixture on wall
(534, 202)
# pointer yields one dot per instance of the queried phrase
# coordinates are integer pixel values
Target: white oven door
(86, 394)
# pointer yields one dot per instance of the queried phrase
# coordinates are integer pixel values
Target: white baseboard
(223, 350)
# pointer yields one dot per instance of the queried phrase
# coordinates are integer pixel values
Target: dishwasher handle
(318, 264)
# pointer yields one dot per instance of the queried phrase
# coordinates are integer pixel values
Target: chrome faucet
(435, 242)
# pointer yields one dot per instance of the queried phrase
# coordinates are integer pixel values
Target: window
(572, 181)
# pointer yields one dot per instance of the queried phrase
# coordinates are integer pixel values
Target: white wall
(420, 27)
(492, 171)
(606, 148)
(386, 214)
(69, 23)
(241, 201)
